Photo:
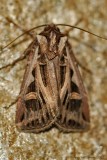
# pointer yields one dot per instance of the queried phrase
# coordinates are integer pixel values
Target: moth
(52, 92)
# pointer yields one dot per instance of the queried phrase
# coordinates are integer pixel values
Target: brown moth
(52, 91)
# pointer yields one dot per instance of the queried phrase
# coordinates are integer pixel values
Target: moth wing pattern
(74, 109)
(36, 110)
(52, 91)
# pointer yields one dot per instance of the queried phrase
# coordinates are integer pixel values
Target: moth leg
(24, 55)
(11, 104)
(14, 62)
(21, 28)
(20, 42)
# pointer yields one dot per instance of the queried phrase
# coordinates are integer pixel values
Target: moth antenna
(23, 34)
(82, 30)
(56, 25)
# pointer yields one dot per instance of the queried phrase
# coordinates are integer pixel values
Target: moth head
(51, 31)
(51, 27)
(49, 41)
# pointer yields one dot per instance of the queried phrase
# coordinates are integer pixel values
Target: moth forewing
(37, 106)
(78, 80)
(74, 113)
(52, 92)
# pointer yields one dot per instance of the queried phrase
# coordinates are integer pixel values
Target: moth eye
(46, 28)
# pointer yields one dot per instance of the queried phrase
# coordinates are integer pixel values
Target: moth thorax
(53, 44)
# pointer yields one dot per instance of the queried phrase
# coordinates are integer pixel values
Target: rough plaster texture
(89, 50)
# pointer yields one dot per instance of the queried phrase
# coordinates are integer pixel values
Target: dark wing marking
(36, 110)
(74, 109)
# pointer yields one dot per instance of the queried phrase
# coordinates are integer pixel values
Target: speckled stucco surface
(89, 50)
